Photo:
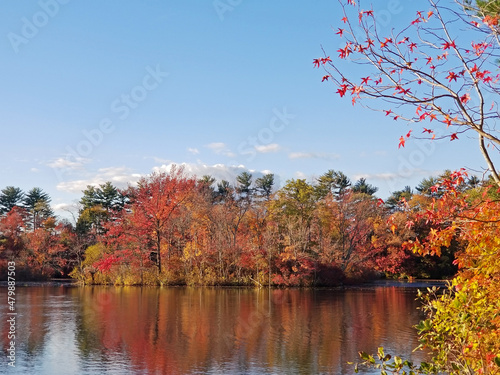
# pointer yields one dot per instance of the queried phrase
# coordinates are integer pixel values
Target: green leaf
(381, 353)
(364, 356)
(497, 360)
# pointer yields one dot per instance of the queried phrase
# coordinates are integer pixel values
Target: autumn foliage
(439, 74)
(176, 229)
(423, 74)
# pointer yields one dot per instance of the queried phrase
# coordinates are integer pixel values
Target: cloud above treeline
(121, 177)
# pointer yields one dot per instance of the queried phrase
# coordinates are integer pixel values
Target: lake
(63, 329)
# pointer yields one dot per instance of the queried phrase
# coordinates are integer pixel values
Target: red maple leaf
(324, 60)
(342, 90)
(401, 142)
(385, 42)
(452, 76)
(453, 137)
(448, 45)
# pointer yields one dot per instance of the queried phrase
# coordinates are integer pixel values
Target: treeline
(174, 229)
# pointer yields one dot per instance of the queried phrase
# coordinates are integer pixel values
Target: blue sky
(93, 91)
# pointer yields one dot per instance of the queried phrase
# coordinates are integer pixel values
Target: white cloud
(121, 177)
(273, 147)
(118, 176)
(35, 170)
(67, 162)
(313, 155)
(63, 207)
(218, 171)
(221, 148)
(193, 151)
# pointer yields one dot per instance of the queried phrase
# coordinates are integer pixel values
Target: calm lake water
(132, 330)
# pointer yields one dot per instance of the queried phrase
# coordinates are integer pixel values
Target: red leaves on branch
(364, 81)
(321, 61)
(346, 51)
(448, 45)
(403, 91)
(403, 139)
(452, 76)
(453, 137)
(491, 21)
(404, 40)
(448, 120)
(342, 90)
(385, 42)
(479, 48)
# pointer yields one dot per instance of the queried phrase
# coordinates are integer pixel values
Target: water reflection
(95, 330)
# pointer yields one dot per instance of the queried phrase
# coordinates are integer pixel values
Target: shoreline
(416, 283)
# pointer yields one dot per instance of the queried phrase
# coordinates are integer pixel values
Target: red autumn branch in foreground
(446, 79)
